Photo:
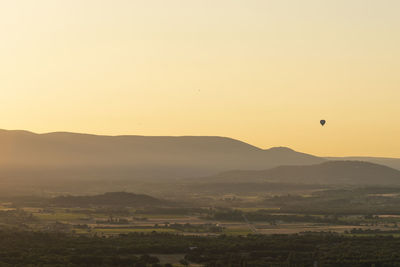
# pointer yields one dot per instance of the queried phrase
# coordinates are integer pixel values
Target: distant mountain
(82, 156)
(108, 199)
(390, 162)
(331, 172)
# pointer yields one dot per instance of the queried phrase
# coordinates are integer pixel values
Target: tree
(184, 262)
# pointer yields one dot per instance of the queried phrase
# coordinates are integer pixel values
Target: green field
(132, 230)
(161, 216)
(237, 231)
(61, 216)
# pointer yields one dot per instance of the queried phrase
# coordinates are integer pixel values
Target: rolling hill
(81, 156)
(109, 199)
(390, 162)
(61, 156)
(331, 172)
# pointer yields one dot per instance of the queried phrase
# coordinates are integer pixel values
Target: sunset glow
(264, 72)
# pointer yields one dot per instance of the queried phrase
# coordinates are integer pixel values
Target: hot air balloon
(322, 122)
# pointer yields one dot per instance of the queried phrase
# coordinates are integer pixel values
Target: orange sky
(261, 71)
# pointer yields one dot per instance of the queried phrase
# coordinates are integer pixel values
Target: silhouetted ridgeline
(82, 156)
(69, 157)
(390, 162)
(331, 172)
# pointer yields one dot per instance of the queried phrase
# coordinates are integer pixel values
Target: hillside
(108, 199)
(82, 156)
(331, 172)
(390, 162)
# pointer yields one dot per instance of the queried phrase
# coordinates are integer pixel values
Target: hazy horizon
(264, 72)
(264, 148)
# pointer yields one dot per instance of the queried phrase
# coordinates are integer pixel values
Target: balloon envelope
(322, 122)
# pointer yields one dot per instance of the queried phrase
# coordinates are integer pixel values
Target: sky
(262, 71)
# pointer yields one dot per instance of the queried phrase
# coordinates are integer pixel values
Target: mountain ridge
(137, 156)
(67, 155)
